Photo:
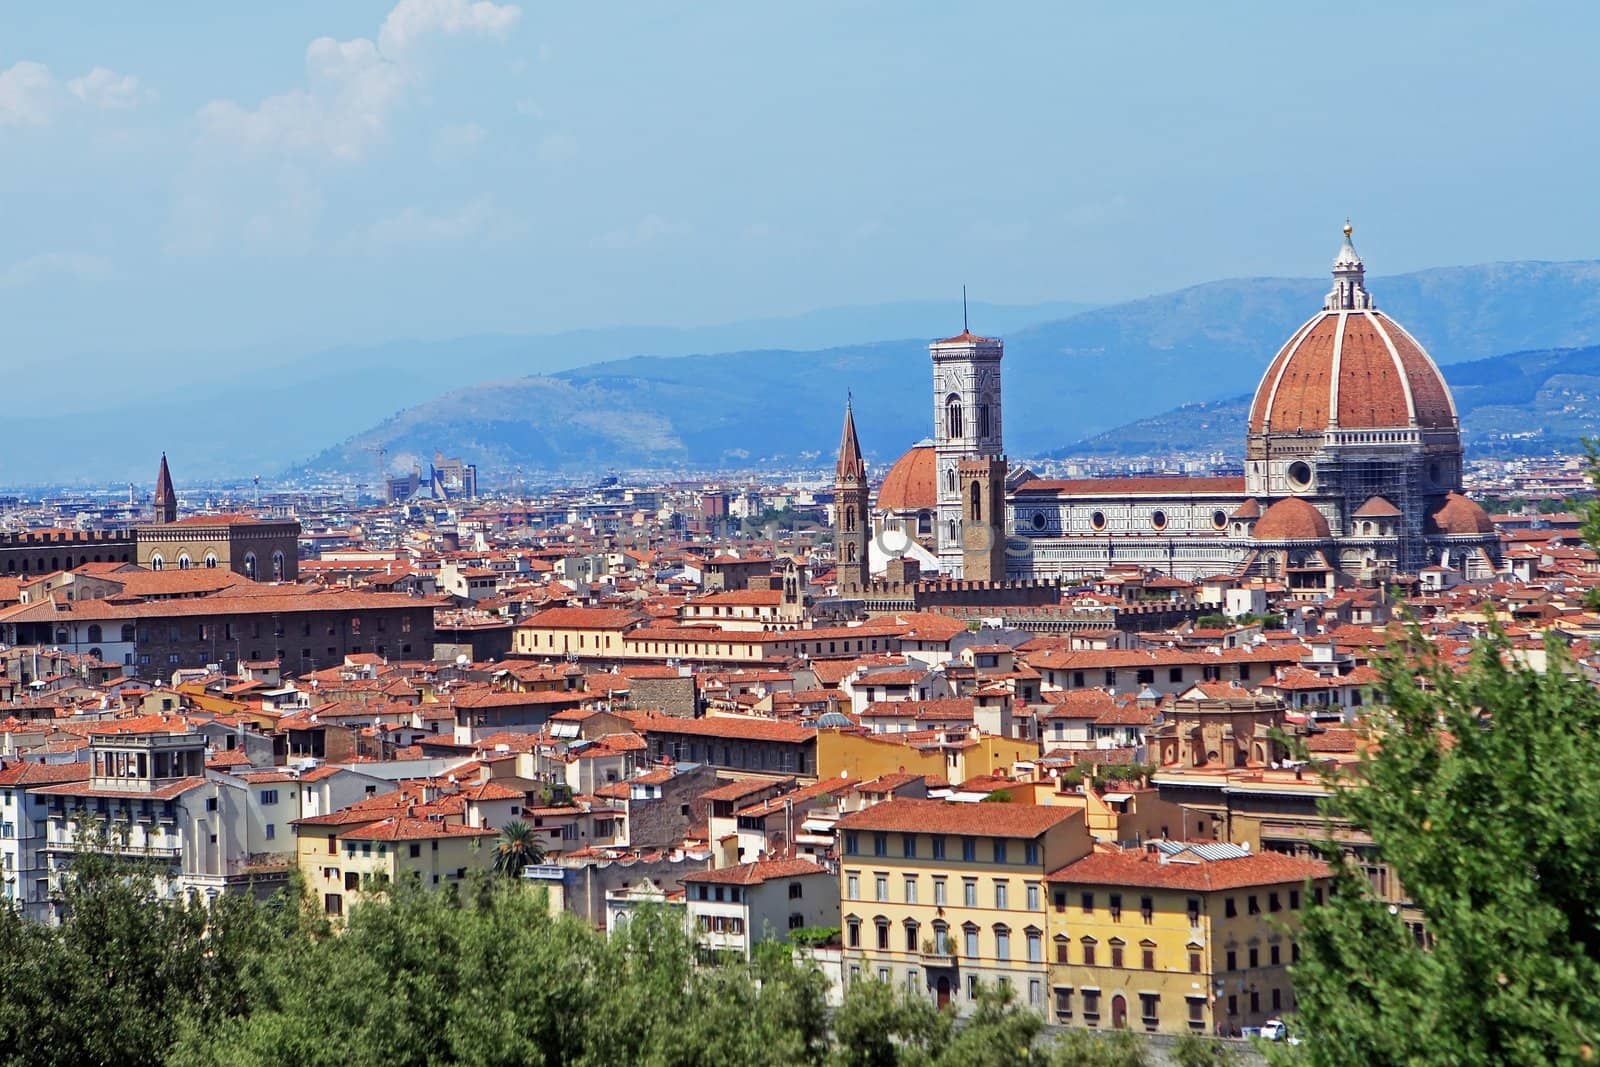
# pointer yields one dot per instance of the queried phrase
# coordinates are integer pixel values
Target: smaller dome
(1250, 509)
(1456, 515)
(1377, 508)
(912, 484)
(834, 720)
(1292, 519)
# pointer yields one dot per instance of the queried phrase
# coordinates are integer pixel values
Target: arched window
(183, 561)
(95, 633)
(849, 551)
(983, 421)
(976, 496)
(250, 565)
(953, 424)
(924, 523)
(950, 531)
(850, 520)
(211, 560)
(62, 637)
(127, 632)
(277, 566)
(950, 479)
(156, 562)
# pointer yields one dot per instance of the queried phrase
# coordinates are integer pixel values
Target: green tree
(110, 984)
(1484, 798)
(517, 848)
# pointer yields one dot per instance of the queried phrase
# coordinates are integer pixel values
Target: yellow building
(940, 896)
(583, 633)
(865, 756)
(1177, 937)
(342, 863)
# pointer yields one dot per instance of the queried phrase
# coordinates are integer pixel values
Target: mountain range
(1068, 379)
(1522, 403)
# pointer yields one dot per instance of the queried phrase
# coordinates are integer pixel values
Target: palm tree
(517, 848)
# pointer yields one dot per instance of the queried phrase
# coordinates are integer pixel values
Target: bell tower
(967, 428)
(850, 503)
(166, 502)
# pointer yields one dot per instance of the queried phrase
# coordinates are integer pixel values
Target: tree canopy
(1484, 799)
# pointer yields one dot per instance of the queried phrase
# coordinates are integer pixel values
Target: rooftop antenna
(964, 326)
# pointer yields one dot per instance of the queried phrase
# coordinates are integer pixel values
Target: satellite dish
(463, 660)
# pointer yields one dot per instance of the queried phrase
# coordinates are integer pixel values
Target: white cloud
(352, 87)
(646, 231)
(27, 94)
(412, 20)
(105, 88)
(530, 107)
(414, 226)
(78, 265)
(31, 96)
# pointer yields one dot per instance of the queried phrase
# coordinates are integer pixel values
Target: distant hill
(259, 411)
(1066, 380)
(1517, 404)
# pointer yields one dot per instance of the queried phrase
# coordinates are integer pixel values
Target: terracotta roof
(1250, 509)
(83, 789)
(1377, 508)
(965, 337)
(944, 817)
(727, 726)
(21, 774)
(1144, 869)
(1292, 519)
(406, 828)
(584, 619)
(1457, 515)
(945, 709)
(1351, 370)
(757, 872)
(912, 483)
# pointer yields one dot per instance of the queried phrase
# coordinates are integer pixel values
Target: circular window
(1039, 520)
(1158, 519)
(1219, 519)
(1098, 520)
(1299, 474)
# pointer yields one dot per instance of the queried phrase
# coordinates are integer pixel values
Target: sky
(215, 184)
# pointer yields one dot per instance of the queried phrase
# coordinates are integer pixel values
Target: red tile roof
(757, 872)
(945, 817)
(1144, 869)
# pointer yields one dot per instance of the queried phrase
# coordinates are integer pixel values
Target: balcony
(932, 955)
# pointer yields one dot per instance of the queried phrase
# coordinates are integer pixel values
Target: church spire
(166, 496)
(851, 467)
(1349, 291)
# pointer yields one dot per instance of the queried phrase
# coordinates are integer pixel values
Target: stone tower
(967, 427)
(166, 502)
(850, 502)
(983, 523)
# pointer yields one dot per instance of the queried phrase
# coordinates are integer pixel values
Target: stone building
(1353, 473)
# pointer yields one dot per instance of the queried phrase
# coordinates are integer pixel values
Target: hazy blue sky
(200, 176)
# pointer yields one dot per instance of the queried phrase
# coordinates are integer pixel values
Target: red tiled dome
(1292, 519)
(1352, 370)
(912, 484)
(1457, 515)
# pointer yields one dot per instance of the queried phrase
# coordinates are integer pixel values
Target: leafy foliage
(1485, 801)
(517, 848)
